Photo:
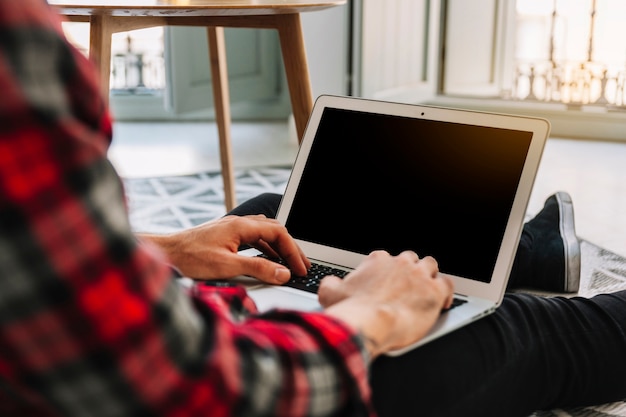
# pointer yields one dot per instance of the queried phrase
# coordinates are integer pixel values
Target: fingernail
(282, 274)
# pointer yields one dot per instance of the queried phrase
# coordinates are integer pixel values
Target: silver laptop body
(449, 183)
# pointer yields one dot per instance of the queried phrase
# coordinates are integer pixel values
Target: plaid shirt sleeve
(91, 321)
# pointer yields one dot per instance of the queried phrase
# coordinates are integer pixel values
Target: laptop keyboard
(311, 281)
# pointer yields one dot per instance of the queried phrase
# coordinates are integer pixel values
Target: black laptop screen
(376, 181)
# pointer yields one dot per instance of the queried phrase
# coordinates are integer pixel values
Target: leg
(100, 34)
(266, 203)
(533, 353)
(296, 68)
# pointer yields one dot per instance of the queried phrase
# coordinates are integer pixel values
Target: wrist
(374, 323)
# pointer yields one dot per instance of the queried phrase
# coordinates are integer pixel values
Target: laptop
(453, 184)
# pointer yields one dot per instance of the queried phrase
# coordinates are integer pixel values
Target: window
(137, 62)
(162, 73)
(137, 58)
(562, 59)
(572, 52)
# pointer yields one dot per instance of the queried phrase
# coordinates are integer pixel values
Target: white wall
(326, 40)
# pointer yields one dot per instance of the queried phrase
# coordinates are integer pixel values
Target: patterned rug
(167, 204)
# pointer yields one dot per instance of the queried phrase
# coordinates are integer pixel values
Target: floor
(594, 173)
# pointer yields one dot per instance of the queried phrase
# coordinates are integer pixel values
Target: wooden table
(107, 17)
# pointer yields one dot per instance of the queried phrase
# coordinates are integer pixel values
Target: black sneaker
(548, 255)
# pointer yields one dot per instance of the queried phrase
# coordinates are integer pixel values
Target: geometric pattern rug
(168, 204)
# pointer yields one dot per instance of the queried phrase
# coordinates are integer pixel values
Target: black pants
(533, 353)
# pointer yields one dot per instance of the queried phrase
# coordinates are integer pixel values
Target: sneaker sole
(571, 244)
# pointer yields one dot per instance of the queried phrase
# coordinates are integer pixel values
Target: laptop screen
(376, 181)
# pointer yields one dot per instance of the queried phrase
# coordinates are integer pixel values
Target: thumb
(331, 291)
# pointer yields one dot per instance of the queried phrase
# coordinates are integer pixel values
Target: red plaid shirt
(91, 321)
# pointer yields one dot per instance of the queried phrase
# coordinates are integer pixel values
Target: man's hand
(209, 251)
(392, 301)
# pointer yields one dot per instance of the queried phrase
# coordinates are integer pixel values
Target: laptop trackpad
(267, 298)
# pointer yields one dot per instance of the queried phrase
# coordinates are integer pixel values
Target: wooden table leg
(221, 98)
(100, 32)
(296, 69)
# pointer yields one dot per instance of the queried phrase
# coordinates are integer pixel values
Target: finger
(293, 260)
(265, 270)
(256, 227)
(294, 257)
(331, 291)
(430, 264)
(447, 287)
(259, 217)
(267, 234)
(262, 246)
(412, 256)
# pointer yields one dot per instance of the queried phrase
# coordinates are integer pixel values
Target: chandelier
(574, 83)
